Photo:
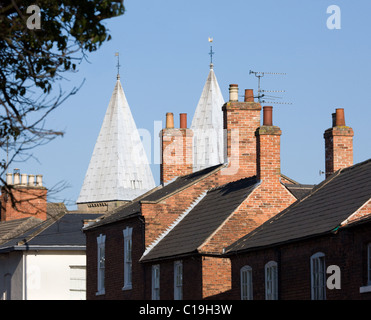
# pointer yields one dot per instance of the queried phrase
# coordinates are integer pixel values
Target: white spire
(118, 169)
(207, 125)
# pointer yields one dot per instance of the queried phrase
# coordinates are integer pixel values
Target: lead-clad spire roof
(207, 125)
(119, 168)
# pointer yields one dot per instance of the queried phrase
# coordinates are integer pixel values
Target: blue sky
(164, 59)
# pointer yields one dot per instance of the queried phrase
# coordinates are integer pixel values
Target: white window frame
(156, 282)
(178, 280)
(271, 281)
(318, 276)
(128, 245)
(246, 283)
(101, 255)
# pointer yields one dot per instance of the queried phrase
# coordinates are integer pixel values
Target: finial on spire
(118, 65)
(211, 53)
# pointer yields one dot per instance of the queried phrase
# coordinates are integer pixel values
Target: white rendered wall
(48, 274)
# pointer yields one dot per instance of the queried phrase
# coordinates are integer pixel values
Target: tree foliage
(33, 61)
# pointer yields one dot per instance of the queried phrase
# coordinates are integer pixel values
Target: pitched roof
(207, 125)
(63, 231)
(12, 229)
(202, 220)
(320, 212)
(118, 168)
(299, 190)
(154, 195)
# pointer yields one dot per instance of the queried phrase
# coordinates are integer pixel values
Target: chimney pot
(267, 116)
(31, 180)
(39, 180)
(169, 120)
(249, 95)
(16, 178)
(233, 92)
(334, 120)
(9, 178)
(340, 118)
(183, 121)
(23, 179)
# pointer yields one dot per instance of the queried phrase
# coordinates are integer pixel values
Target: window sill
(127, 287)
(100, 293)
(365, 289)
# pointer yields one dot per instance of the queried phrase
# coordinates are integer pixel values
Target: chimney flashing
(269, 130)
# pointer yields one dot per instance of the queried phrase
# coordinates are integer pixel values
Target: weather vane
(118, 65)
(211, 51)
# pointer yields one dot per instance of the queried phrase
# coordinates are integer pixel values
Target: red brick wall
(269, 153)
(114, 265)
(364, 211)
(192, 279)
(263, 203)
(338, 148)
(23, 202)
(241, 119)
(216, 276)
(177, 153)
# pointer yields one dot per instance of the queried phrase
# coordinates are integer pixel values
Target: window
(101, 263)
(178, 280)
(77, 282)
(271, 281)
(318, 276)
(127, 258)
(246, 283)
(156, 282)
(367, 287)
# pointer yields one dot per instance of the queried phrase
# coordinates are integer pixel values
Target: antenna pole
(261, 94)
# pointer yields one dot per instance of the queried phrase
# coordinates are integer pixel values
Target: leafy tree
(33, 62)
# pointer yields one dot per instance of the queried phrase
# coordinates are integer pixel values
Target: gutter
(43, 248)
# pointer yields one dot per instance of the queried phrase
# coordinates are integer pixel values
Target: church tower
(119, 170)
(207, 124)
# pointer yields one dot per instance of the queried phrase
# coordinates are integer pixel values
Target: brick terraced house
(168, 243)
(297, 252)
(237, 228)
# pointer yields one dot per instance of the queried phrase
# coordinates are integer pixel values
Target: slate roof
(204, 219)
(155, 195)
(299, 190)
(63, 231)
(321, 212)
(13, 228)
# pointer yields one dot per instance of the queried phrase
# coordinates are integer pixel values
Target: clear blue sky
(164, 61)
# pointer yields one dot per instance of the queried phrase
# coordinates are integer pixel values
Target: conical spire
(118, 169)
(207, 125)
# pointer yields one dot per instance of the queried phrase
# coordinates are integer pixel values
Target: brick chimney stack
(268, 149)
(338, 144)
(176, 149)
(23, 197)
(241, 119)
